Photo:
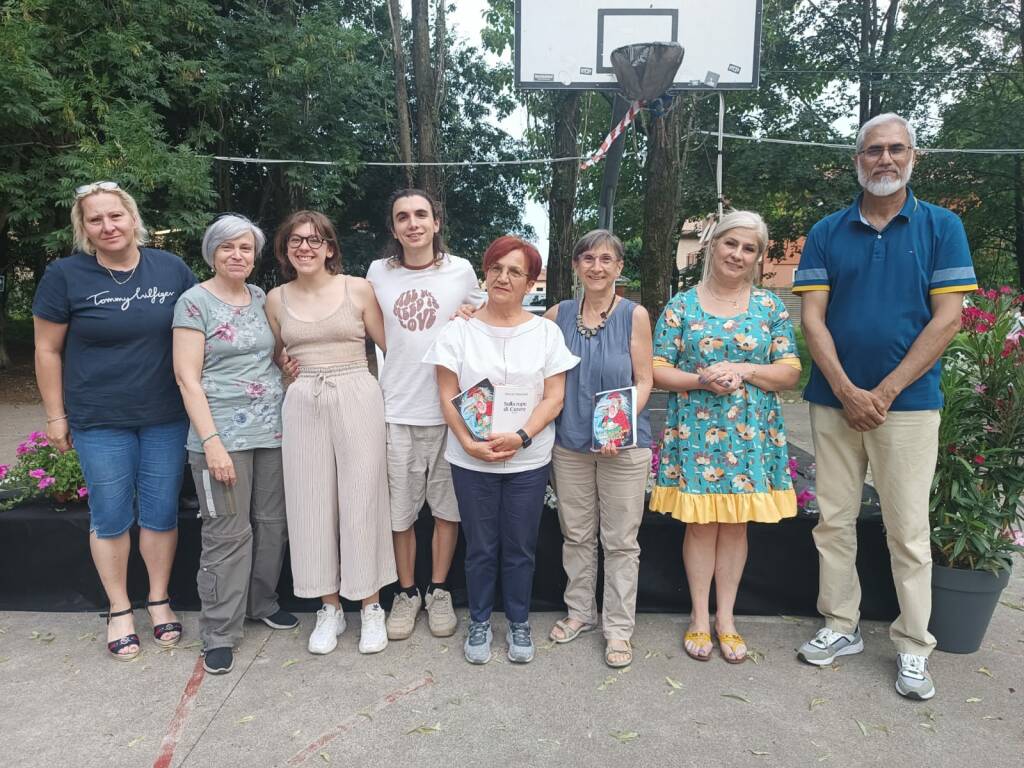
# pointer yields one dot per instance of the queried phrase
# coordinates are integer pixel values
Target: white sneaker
(373, 636)
(330, 622)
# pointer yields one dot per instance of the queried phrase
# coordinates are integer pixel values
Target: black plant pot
(963, 602)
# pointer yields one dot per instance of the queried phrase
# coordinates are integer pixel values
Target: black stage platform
(45, 565)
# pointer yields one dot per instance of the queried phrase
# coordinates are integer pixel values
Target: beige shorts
(418, 472)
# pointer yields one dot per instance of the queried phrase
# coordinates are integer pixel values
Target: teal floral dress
(723, 457)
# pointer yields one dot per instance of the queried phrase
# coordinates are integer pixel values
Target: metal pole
(718, 169)
(612, 165)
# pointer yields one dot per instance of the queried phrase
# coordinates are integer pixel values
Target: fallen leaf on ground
(755, 655)
(865, 727)
(325, 757)
(651, 654)
(425, 729)
(758, 752)
(289, 663)
(610, 680)
(193, 644)
(972, 700)
(991, 717)
(737, 696)
(43, 637)
(444, 649)
(984, 671)
(365, 713)
(135, 741)
(816, 702)
(296, 732)
(4, 659)
(246, 719)
(624, 736)
(790, 619)
(87, 636)
(1015, 606)
(676, 685)
(928, 726)
(823, 758)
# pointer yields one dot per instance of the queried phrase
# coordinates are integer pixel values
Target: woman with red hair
(500, 481)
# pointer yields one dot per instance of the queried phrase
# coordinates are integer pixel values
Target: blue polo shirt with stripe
(880, 284)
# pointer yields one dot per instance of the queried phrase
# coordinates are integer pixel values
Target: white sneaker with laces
(330, 623)
(373, 636)
(913, 679)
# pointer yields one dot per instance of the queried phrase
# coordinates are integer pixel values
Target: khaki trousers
(606, 494)
(902, 453)
(244, 537)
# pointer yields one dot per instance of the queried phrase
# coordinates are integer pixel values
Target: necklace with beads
(589, 333)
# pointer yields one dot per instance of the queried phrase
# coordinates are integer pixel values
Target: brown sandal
(627, 652)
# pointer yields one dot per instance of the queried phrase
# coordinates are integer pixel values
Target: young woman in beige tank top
(334, 441)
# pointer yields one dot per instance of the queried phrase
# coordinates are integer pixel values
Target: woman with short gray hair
(223, 360)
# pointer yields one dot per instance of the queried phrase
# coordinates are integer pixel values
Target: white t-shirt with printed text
(417, 304)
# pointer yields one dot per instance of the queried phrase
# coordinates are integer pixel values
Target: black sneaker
(279, 620)
(218, 661)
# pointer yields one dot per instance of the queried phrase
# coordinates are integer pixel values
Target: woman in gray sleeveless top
(601, 490)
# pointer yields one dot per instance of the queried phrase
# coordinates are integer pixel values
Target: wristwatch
(525, 437)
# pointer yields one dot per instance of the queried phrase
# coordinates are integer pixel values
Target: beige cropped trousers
(902, 453)
(336, 483)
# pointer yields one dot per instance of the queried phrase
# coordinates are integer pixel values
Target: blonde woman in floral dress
(724, 350)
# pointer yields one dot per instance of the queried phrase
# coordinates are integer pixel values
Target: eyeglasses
(896, 151)
(96, 186)
(496, 271)
(313, 241)
(589, 260)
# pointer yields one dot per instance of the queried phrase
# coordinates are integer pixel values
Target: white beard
(884, 187)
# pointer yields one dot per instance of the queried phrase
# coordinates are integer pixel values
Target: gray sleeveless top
(605, 364)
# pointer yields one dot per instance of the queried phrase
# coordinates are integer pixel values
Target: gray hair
(228, 227)
(736, 220)
(82, 241)
(595, 238)
(882, 119)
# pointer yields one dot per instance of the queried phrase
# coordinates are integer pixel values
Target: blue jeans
(500, 520)
(129, 469)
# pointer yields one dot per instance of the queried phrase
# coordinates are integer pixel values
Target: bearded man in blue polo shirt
(882, 286)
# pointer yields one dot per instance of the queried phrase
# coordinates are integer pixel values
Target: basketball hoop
(645, 72)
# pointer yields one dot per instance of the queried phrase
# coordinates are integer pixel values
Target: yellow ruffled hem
(764, 507)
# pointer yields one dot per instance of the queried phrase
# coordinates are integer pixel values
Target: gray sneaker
(827, 644)
(914, 680)
(478, 642)
(520, 643)
(440, 613)
(402, 619)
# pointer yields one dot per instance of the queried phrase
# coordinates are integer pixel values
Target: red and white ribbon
(629, 117)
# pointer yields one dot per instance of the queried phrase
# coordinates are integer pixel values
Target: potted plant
(976, 513)
(41, 471)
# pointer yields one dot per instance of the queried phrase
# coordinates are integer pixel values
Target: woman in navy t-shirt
(103, 364)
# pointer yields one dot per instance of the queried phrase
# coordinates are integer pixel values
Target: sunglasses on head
(96, 186)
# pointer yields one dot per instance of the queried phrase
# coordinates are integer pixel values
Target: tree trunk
(401, 91)
(661, 209)
(562, 199)
(5, 245)
(429, 82)
(1018, 216)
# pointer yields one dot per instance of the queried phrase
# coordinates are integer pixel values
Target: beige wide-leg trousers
(601, 494)
(336, 483)
(902, 453)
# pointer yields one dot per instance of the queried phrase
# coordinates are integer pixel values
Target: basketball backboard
(567, 44)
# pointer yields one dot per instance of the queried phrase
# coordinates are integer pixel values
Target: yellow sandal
(700, 639)
(731, 641)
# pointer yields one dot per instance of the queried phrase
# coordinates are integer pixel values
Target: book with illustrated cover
(495, 408)
(614, 419)
(476, 406)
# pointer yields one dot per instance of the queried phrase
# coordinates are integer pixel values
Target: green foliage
(979, 476)
(41, 471)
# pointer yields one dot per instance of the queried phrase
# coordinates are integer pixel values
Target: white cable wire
(800, 143)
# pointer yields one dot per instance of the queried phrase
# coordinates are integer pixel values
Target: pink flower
(24, 448)
(46, 482)
(83, 492)
(981, 389)
(37, 436)
(225, 332)
(979, 459)
(4, 469)
(37, 473)
(1018, 538)
(1005, 290)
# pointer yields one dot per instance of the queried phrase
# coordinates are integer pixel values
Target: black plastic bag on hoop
(646, 70)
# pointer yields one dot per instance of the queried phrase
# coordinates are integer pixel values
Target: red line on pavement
(346, 725)
(181, 713)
